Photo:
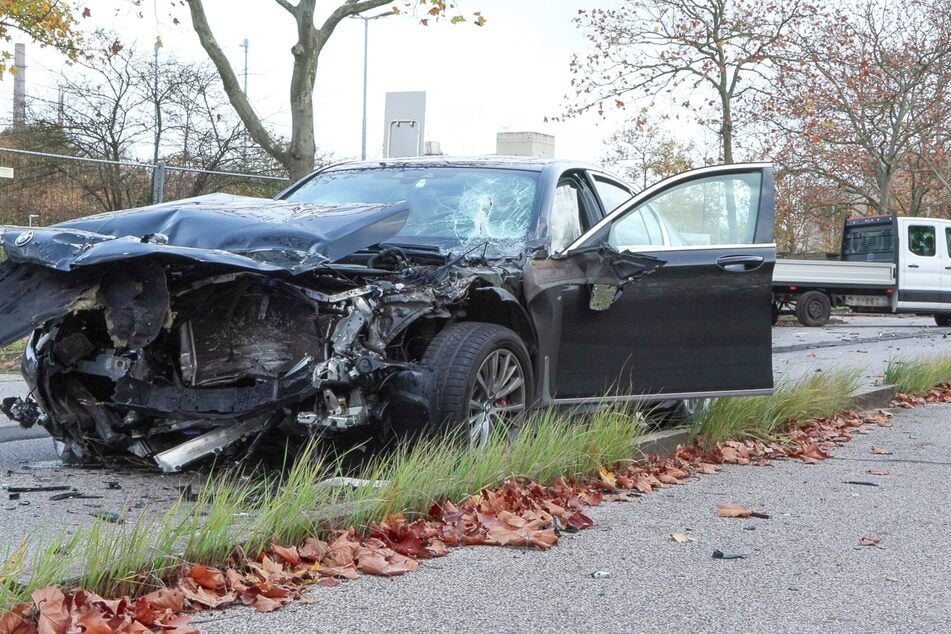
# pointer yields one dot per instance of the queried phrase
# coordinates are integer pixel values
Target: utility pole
(19, 85)
(244, 148)
(366, 51)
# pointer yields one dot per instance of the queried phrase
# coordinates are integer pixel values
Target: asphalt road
(805, 573)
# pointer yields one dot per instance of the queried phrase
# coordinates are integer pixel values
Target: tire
(942, 319)
(813, 309)
(464, 356)
(689, 409)
(775, 314)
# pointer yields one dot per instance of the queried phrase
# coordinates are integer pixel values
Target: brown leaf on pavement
(877, 472)
(54, 615)
(733, 510)
(881, 451)
(870, 541)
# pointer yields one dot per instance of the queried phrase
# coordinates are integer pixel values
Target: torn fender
(135, 299)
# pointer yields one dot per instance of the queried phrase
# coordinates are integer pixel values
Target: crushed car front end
(178, 344)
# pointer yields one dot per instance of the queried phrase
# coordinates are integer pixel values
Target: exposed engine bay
(177, 363)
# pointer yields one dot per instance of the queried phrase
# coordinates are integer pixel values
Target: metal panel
(404, 129)
(835, 274)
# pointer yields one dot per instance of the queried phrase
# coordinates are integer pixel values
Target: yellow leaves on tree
(47, 22)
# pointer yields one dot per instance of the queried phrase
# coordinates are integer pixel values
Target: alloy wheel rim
(497, 396)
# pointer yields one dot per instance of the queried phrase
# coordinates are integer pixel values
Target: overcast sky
(508, 75)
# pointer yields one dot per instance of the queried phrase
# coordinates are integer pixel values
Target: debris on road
(600, 574)
(861, 482)
(43, 489)
(719, 554)
(870, 541)
(881, 451)
(877, 472)
(680, 538)
(108, 516)
(73, 495)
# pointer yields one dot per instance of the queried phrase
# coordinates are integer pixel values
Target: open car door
(697, 323)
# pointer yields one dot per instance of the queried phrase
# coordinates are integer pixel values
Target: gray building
(533, 144)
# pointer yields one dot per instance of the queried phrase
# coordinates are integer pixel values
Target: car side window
(921, 240)
(565, 221)
(612, 194)
(947, 238)
(713, 210)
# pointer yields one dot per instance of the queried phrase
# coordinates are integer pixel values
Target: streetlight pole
(366, 56)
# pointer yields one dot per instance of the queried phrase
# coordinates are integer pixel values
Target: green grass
(234, 510)
(918, 377)
(10, 356)
(761, 417)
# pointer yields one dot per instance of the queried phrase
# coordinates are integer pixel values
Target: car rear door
(700, 325)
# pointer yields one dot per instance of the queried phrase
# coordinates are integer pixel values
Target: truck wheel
(775, 314)
(483, 379)
(813, 309)
(942, 319)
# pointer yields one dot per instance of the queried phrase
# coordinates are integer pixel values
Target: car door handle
(913, 266)
(740, 263)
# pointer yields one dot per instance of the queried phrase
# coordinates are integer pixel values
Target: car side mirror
(603, 295)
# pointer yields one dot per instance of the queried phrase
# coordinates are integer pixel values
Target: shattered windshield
(455, 208)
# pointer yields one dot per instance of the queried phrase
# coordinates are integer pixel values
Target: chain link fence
(37, 188)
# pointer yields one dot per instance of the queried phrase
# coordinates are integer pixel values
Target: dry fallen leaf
(881, 451)
(870, 541)
(733, 510)
(607, 477)
(878, 472)
(680, 538)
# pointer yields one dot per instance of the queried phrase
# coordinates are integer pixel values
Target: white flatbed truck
(888, 265)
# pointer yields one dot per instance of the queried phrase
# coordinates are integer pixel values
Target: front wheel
(483, 379)
(943, 319)
(813, 309)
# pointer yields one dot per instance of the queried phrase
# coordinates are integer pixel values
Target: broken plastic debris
(73, 495)
(600, 574)
(719, 554)
(108, 516)
(49, 489)
(680, 538)
(861, 482)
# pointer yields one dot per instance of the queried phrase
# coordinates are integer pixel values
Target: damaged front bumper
(172, 363)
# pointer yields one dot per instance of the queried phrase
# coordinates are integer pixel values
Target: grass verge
(232, 511)
(761, 417)
(10, 357)
(918, 377)
(134, 558)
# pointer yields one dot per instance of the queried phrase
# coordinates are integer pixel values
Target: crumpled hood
(240, 231)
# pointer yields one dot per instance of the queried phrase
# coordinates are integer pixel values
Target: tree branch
(350, 7)
(230, 82)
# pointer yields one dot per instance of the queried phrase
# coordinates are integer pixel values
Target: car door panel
(673, 331)
(699, 324)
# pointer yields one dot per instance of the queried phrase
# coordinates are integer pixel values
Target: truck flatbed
(832, 273)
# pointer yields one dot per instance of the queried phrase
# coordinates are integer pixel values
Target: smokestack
(19, 86)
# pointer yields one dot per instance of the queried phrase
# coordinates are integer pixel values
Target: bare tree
(706, 54)
(864, 99)
(643, 152)
(297, 154)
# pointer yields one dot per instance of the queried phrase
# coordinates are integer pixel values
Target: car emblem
(23, 239)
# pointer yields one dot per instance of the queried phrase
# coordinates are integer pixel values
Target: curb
(664, 443)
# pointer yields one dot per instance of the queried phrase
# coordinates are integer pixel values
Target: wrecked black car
(402, 297)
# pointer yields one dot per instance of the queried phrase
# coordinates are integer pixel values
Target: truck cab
(888, 264)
